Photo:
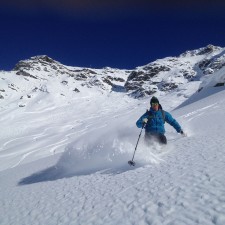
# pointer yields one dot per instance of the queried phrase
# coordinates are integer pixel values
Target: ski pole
(131, 162)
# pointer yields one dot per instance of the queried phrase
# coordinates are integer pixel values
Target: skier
(153, 122)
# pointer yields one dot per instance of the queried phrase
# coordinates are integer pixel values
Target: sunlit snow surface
(65, 162)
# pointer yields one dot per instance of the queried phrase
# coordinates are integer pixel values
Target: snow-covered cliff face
(170, 73)
(41, 74)
(43, 67)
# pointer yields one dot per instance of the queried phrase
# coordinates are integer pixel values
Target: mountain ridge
(39, 73)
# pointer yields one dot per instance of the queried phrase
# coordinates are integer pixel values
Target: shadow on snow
(53, 173)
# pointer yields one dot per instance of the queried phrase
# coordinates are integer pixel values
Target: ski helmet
(154, 100)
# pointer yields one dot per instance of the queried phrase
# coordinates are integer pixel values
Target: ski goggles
(155, 104)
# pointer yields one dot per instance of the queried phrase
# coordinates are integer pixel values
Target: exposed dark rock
(141, 92)
(22, 64)
(188, 74)
(155, 69)
(219, 84)
(107, 80)
(80, 77)
(134, 74)
(118, 79)
(46, 70)
(43, 89)
(35, 89)
(205, 50)
(208, 49)
(137, 78)
(204, 63)
(54, 67)
(200, 89)
(46, 59)
(76, 90)
(88, 71)
(169, 86)
(96, 82)
(12, 86)
(213, 64)
(64, 82)
(24, 73)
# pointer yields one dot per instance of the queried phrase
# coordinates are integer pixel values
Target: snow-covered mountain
(68, 132)
(176, 72)
(43, 74)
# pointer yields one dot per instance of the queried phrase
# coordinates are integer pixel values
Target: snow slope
(67, 164)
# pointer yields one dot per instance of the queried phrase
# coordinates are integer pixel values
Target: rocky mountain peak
(43, 58)
(44, 74)
(170, 73)
(201, 51)
(38, 66)
(34, 62)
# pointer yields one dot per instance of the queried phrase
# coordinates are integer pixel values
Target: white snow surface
(67, 163)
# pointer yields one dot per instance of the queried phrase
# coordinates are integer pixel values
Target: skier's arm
(139, 122)
(170, 120)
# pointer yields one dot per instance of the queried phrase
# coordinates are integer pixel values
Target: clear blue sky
(97, 33)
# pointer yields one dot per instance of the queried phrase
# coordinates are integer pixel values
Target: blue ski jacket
(155, 124)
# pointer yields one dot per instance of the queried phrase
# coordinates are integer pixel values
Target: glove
(183, 134)
(145, 120)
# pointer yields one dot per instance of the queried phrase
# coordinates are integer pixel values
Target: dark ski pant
(161, 138)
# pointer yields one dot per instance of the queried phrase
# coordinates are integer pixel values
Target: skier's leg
(162, 139)
(148, 138)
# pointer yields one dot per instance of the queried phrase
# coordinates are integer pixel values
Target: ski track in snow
(169, 193)
(183, 184)
(58, 132)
